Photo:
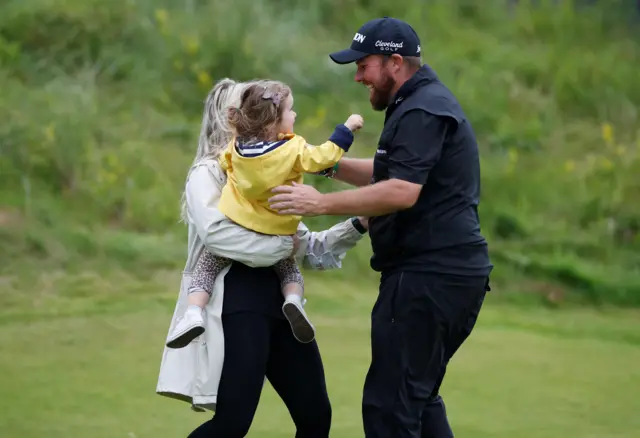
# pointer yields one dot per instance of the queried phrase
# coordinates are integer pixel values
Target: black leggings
(257, 345)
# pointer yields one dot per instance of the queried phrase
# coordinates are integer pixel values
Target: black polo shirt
(428, 140)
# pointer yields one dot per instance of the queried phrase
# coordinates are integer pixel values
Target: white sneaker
(302, 328)
(188, 328)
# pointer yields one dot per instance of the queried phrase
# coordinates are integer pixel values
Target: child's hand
(354, 122)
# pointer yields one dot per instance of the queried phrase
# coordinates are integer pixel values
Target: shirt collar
(423, 76)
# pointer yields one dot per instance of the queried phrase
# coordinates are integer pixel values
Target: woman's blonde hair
(216, 132)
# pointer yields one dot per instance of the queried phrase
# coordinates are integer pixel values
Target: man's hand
(298, 199)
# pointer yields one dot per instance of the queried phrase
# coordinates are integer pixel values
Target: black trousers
(417, 324)
(257, 345)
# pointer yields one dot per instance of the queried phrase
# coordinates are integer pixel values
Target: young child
(265, 153)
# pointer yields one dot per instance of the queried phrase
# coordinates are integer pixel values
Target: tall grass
(100, 107)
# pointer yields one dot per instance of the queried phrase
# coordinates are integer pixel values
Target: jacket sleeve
(326, 249)
(222, 236)
(312, 159)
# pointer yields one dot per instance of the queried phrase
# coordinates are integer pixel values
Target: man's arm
(355, 171)
(372, 200)
(415, 149)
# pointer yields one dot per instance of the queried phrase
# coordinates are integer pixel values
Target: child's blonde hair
(260, 111)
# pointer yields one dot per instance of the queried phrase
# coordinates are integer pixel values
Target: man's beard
(381, 95)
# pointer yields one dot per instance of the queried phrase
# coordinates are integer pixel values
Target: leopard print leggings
(209, 267)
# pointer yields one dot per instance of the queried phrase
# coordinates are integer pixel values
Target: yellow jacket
(252, 174)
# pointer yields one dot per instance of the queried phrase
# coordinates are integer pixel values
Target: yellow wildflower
(606, 163)
(162, 16)
(569, 166)
(191, 45)
(50, 132)
(247, 49)
(607, 133)
(204, 78)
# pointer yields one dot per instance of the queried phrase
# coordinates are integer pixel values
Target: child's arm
(312, 159)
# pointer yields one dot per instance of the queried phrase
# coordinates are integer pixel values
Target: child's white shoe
(302, 328)
(188, 328)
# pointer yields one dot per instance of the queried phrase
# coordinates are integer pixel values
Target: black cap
(382, 36)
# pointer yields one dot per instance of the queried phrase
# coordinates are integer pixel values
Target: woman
(247, 337)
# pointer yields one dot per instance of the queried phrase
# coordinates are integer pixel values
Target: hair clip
(270, 95)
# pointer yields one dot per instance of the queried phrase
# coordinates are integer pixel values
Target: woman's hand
(364, 221)
(296, 245)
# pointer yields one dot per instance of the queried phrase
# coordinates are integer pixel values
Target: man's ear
(397, 61)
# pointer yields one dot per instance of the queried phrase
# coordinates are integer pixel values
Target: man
(421, 191)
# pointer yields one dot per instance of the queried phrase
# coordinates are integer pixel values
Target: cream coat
(192, 374)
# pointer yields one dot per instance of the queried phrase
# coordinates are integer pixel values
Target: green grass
(530, 373)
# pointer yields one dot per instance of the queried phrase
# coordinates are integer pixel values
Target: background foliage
(101, 105)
